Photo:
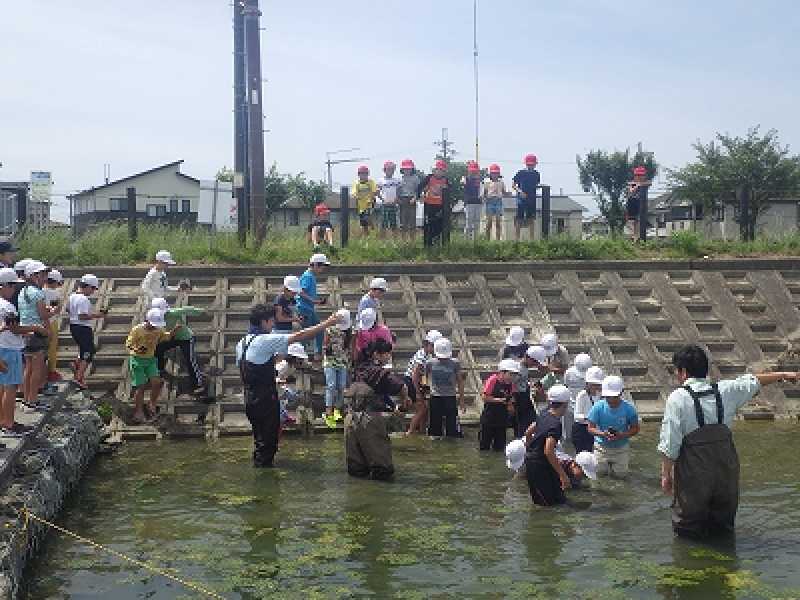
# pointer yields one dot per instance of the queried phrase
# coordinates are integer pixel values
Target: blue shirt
(527, 181)
(262, 347)
(308, 281)
(620, 418)
(367, 302)
(29, 297)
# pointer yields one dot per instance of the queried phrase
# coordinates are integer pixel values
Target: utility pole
(475, 57)
(446, 150)
(239, 123)
(330, 163)
(255, 120)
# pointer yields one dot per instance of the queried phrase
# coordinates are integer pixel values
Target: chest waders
(367, 448)
(261, 406)
(706, 482)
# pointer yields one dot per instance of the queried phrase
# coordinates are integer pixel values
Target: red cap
(321, 209)
(407, 164)
(363, 169)
(388, 164)
(472, 167)
(494, 169)
(530, 159)
(639, 171)
(440, 165)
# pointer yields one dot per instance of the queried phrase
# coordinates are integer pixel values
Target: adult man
(612, 422)
(372, 299)
(525, 183)
(699, 463)
(307, 299)
(255, 355)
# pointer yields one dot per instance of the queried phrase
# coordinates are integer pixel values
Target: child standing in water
(445, 377)
(581, 438)
(498, 398)
(547, 479)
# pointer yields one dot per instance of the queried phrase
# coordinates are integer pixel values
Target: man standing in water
(699, 463)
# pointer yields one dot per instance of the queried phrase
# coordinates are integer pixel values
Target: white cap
(9, 276)
(442, 348)
(612, 386)
(508, 364)
(379, 283)
(165, 257)
(90, 280)
(33, 267)
(55, 275)
(516, 335)
(21, 264)
(292, 283)
(433, 335)
(366, 319)
(558, 394)
(297, 350)
(160, 303)
(515, 454)
(345, 321)
(538, 354)
(583, 362)
(595, 375)
(319, 259)
(156, 318)
(550, 343)
(587, 461)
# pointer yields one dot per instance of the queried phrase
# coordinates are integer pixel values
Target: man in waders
(255, 356)
(699, 463)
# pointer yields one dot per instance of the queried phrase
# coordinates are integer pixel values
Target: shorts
(389, 216)
(36, 343)
(363, 218)
(142, 369)
(612, 461)
(494, 207)
(408, 214)
(84, 337)
(323, 226)
(13, 359)
(526, 209)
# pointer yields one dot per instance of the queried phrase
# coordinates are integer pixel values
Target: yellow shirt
(141, 338)
(364, 193)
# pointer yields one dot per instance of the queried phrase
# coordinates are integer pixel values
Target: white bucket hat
(297, 350)
(508, 364)
(587, 461)
(160, 303)
(558, 394)
(433, 335)
(442, 348)
(550, 343)
(583, 362)
(55, 275)
(366, 319)
(345, 321)
(538, 354)
(516, 335)
(319, 259)
(90, 280)
(34, 267)
(156, 318)
(165, 257)
(379, 283)
(292, 283)
(612, 386)
(20, 265)
(515, 454)
(595, 375)
(9, 276)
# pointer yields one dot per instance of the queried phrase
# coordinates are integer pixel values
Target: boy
(285, 305)
(581, 438)
(388, 187)
(472, 200)
(365, 191)
(612, 422)
(445, 377)
(154, 284)
(320, 230)
(52, 294)
(575, 380)
(372, 299)
(526, 183)
(80, 313)
(141, 344)
(33, 311)
(307, 299)
(184, 340)
(338, 342)
(415, 373)
(407, 193)
(557, 355)
(498, 393)
(434, 187)
(494, 190)
(516, 348)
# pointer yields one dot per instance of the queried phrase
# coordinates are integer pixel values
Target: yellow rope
(27, 515)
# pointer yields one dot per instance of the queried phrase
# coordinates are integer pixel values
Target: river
(454, 524)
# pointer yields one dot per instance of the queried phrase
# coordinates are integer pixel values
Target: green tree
(276, 189)
(308, 191)
(225, 174)
(757, 164)
(607, 175)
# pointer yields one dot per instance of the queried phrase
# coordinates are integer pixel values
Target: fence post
(643, 210)
(344, 214)
(447, 217)
(545, 211)
(132, 229)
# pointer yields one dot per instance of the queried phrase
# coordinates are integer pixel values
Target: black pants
(443, 408)
(189, 358)
(525, 413)
(492, 437)
(543, 482)
(581, 438)
(434, 223)
(264, 416)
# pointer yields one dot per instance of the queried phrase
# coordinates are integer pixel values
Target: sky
(138, 84)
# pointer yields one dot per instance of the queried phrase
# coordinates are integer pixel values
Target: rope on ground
(28, 516)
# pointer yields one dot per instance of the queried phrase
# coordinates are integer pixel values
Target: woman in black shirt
(546, 478)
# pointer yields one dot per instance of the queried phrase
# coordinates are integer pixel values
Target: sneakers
(330, 421)
(337, 415)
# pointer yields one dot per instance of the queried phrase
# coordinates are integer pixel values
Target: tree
(276, 189)
(754, 164)
(225, 174)
(309, 192)
(608, 175)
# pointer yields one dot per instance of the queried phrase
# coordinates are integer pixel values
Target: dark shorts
(323, 226)
(364, 218)
(36, 343)
(84, 337)
(526, 209)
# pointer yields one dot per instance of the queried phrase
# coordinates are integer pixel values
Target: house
(295, 215)
(164, 195)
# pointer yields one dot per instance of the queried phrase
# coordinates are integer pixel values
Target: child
(33, 311)
(415, 373)
(516, 349)
(547, 479)
(307, 299)
(365, 191)
(526, 183)
(612, 422)
(494, 190)
(320, 230)
(472, 200)
(575, 380)
(53, 294)
(388, 187)
(445, 377)
(433, 190)
(285, 303)
(141, 344)
(155, 284)
(498, 393)
(184, 340)
(337, 344)
(286, 371)
(80, 314)
(407, 192)
(557, 355)
(368, 332)
(372, 299)
(586, 399)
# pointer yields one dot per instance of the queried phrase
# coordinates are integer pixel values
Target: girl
(446, 378)
(415, 374)
(547, 479)
(497, 399)
(581, 438)
(33, 311)
(337, 349)
(494, 190)
(286, 372)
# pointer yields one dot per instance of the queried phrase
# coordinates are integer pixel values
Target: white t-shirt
(388, 187)
(78, 305)
(51, 296)
(9, 340)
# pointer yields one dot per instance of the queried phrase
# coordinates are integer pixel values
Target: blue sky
(139, 83)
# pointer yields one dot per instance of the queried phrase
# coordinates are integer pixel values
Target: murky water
(453, 525)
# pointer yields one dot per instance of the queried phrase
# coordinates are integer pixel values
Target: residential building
(36, 193)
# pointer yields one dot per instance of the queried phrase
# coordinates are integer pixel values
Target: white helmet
(516, 335)
(433, 335)
(612, 386)
(366, 319)
(292, 283)
(344, 319)
(160, 303)
(442, 348)
(550, 343)
(538, 354)
(583, 362)
(297, 350)
(379, 283)
(558, 394)
(508, 364)
(595, 375)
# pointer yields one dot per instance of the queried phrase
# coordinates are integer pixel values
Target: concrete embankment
(37, 472)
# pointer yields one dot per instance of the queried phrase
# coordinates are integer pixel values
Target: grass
(109, 245)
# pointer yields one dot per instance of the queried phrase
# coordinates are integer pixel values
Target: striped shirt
(420, 358)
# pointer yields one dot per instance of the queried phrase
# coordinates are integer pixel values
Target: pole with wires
(475, 59)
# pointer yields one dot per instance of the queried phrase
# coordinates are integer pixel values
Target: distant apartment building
(36, 195)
